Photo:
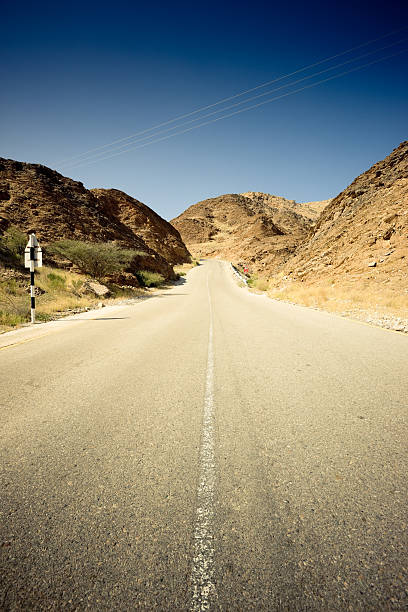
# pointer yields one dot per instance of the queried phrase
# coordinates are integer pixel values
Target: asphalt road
(204, 449)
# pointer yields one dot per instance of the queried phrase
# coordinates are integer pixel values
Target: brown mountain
(310, 210)
(157, 233)
(258, 229)
(33, 196)
(363, 232)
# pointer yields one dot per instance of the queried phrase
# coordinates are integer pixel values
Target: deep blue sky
(77, 75)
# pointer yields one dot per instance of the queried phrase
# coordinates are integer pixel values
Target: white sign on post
(32, 259)
(37, 254)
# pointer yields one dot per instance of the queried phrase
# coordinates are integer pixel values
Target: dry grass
(336, 296)
(182, 269)
(261, 284)
(53, 279)
(14, 304)
(256, 282)
(63, 292)
(345, 299)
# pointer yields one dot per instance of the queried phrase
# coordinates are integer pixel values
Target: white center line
(203, 561)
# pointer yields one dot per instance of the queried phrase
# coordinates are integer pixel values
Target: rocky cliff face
(33, 196)
(363, 232)
(258, 229)
(157, 233)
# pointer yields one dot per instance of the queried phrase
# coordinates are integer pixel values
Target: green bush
(123, 292)
(98, 260)
(194, 261)
(11, 319)
(13, 243)
(10, 286)
(43, 316)
(149, 279)
(56, 281)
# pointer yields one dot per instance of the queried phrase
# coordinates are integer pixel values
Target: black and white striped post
(32, 267)
(33, 259)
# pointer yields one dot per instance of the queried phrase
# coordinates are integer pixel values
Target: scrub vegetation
(97, 259)
(60, 291)
(149, 279)
(12, 245)
(333, 296)
(57, 292)
(182, 269)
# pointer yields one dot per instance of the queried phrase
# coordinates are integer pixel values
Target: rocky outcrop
(310, 210)
(363, 232)
(254, 227)
(34, 197)
(157, 233)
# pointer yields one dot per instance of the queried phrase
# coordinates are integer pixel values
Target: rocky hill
(310, 210)
(258, 229)
(33, 196)
(363, 233)
(157, 233)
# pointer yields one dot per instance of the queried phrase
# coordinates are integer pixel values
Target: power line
(99, 155)
(184, 116)
(140, 146)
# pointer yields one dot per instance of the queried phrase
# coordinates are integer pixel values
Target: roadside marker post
(32, 260)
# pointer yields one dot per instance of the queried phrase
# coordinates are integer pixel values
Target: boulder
(96, 288)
